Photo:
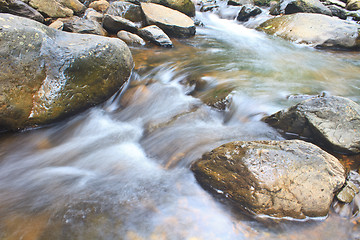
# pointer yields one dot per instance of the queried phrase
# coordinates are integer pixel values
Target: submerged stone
(275, 178)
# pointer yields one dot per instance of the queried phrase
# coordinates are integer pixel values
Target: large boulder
(58, 8)
(47, 74)
(275, 178)
(20, 8)
(185, 6)
(306, 6)
(314, 29)
(172, 22)
(333, 121)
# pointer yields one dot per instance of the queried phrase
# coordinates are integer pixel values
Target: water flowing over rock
(334, 121)
(185, 6)
(314, 29)
(305, 6)
(155, 35)
(19, 8)
(276, 178)
(172, 22)
(48, 74)
(247, 12)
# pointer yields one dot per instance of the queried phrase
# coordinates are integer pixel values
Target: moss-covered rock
(48, 74)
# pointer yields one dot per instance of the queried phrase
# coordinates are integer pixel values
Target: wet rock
(115, 24)
(81, 25)
(353, 5)
(19, 8)
(51, 8)
(172, 22)
(130, 38)
(338, 12)
(100, 6)
(58, 25)
(155, 35)
(185, 6)
(48, 74)
(305, 6)
(276, 178)
(333, 121)
(93, 15)
(347, 194)
(314, 29)
(126, 10)
(247, 12)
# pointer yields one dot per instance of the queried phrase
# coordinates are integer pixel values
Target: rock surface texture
(47, 74)
(304, 6)
(155, 35)
(276, 178)
(334, 121)
(314, 29)
(185, 6)
(172, 22)
(20, 8)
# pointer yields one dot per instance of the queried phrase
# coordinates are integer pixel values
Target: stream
(121, 170)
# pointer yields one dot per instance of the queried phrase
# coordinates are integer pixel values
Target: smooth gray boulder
(172, 22)
(330, 121)
(19, 8)
(316, 30)
(155, 35)
(47, 75)
(274, 178)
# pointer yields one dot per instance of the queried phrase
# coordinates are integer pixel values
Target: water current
(121, 170)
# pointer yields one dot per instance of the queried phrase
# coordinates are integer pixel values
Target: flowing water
(121, 170)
